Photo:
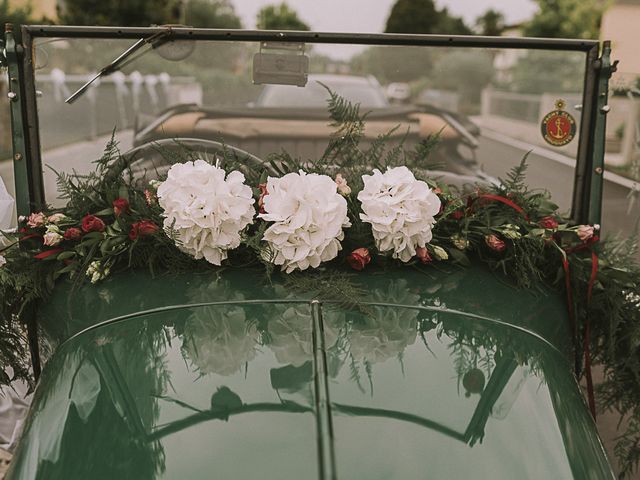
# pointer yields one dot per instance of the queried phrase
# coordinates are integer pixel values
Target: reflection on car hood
(474, 291)
(263, 382)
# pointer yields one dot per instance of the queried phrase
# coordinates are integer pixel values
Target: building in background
(39, 8)
(620, 24)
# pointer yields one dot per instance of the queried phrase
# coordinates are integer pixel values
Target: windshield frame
(584, 190)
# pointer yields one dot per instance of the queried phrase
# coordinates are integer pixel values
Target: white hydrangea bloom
(309, 215)
(400, 210)
(220, 340)
(290, 333)
(388, 331)
(206, 211)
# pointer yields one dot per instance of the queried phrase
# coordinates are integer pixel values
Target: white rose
(3, 261)
(308, 216)
(56, 218)
(206, 211)
(400, 210)
(51, 239)
(441, 253)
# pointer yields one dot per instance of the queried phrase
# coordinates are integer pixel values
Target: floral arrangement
(353, 209)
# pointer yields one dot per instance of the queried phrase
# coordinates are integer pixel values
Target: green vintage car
(447, 374)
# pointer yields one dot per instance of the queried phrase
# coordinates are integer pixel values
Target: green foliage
(19, 16)
(211, 14)
(490, 23)
(132, 13)
(530, 74)
(16, 15)
(279, 17)
(566, 19)
(393, 64)
(422, 16)
(465, 72)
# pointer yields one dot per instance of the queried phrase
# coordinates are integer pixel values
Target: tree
(130, 13)
(211, 14)
(279, 17)
(566, 19)
(16, 16)
(465, 72)
(422, 16)
(490, 23)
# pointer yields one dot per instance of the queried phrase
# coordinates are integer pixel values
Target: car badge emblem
(558, 126)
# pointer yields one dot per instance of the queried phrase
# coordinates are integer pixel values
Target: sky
(369, 16)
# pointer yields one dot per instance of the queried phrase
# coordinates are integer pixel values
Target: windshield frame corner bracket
(604, 68)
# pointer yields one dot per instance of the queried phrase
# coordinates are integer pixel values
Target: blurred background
(497, 96)
(506, 93)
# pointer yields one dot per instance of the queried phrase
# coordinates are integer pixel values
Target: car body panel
(223, 384)
(475, 290)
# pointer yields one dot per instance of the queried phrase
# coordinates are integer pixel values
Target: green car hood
(473, 290)
(219, 377)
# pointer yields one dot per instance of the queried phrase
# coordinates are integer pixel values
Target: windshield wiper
(118, 63)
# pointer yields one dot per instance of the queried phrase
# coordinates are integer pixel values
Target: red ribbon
(48, 253)
(27, 237)
(506, 201)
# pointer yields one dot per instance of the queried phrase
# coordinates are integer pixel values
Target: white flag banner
(7, 206)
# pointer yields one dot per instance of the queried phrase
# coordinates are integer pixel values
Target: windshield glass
(363, 90)
(485, 106)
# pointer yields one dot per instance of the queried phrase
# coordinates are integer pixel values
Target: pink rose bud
(341, 182)
(73, 234)
(423, 255)
(263, 193)
(149, 197)
(36, 220)
(549, 223)
(585, 232)
(120, 206)
(359, 258)
(494, 243)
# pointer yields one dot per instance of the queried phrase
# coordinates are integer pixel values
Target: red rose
(423, 255)
(457, 214)
(143, 228)
(494, 243)
(91, 223)
(263, 193)
(120, 206)
(72, 234)
(549, 223)
(359, 258)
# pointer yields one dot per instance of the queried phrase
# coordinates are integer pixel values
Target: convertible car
(294, 119)
(442, 374)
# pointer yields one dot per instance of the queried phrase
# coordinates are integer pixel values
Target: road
(554, 172)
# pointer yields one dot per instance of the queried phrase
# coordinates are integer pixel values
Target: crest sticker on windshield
(558, 127)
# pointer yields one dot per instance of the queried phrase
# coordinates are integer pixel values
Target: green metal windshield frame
(587, 193)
